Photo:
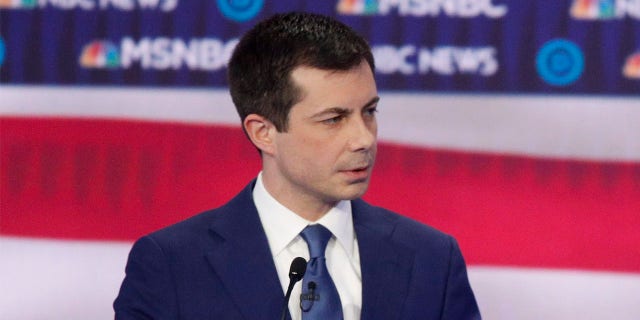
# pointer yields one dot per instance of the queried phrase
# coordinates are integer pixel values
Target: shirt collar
(283, 225)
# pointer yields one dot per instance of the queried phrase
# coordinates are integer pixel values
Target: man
(304, 88)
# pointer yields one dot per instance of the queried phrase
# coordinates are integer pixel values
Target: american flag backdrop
(513, 126)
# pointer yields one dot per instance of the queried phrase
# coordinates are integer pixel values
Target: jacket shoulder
(197, 228)
(406, 231)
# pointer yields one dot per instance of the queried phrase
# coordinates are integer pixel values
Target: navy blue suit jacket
(218, 265)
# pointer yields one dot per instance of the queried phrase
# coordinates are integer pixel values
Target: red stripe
(100, 179)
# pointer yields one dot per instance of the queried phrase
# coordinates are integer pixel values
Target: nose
(363, 135)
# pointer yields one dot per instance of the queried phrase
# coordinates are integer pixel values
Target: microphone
(296, 272)
(311, 296)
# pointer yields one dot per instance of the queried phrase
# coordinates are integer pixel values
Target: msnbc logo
(206, 54)
(18, 4)
(423, 8)
(631, 68)
(100, 54)
(605, 9)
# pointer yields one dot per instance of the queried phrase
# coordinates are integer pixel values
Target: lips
(357, 167)
(357, 172)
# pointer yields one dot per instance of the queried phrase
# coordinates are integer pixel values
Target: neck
(299, 202)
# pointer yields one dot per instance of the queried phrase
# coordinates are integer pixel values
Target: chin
(354, 192)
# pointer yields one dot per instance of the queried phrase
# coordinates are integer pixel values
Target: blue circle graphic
(560, 62)
(2, 50)
(240, 10)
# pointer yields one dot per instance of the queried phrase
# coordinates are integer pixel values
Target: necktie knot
(317, 237)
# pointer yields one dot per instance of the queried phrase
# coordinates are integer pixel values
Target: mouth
(357, 173)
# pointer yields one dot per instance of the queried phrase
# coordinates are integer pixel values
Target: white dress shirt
(283, 228)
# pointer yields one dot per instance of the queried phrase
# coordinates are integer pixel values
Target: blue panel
(493, 46)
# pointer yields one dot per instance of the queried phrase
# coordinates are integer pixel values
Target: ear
(260, 131)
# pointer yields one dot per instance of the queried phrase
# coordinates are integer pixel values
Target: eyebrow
(371, 102)
(343, 111)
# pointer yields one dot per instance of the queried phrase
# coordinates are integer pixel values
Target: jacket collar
(242, 259)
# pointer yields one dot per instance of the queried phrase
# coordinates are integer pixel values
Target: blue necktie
(319, 299)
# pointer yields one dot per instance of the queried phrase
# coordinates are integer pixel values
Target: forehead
(333, 88)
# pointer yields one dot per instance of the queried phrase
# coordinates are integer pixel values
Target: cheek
(317, 155)
(314, 143)
(312, 150)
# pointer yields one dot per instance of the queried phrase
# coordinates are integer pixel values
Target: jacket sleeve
(460, 302)
(148, 290)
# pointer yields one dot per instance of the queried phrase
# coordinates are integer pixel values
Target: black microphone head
(298, 268)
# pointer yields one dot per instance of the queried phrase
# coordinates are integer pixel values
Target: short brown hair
(260, 68)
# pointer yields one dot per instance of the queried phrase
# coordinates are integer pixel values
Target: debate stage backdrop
(512, 125)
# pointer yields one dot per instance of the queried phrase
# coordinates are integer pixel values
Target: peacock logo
(100, 54)
(605, 9)
(357, 7)
(18, 4)
(631, 69)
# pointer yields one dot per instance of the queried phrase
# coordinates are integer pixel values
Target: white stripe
(598, 128)
(53, 279)
(173, 105)
(534, 294)
(586, 127)
(59, 279)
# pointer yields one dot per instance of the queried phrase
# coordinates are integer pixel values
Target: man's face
(328, 151)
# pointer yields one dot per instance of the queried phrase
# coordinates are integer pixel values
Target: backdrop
(512, 125)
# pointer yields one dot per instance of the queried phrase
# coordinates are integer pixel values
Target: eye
(333, 120)
(371, 111)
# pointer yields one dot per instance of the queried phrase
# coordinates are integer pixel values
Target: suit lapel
(386, 266)
(242, 259)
